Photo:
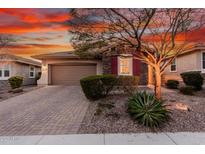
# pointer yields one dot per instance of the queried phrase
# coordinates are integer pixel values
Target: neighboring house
(66, 68)
(189, 61)
(11, 65)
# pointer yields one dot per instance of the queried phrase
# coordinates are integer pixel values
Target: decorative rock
(178, 106)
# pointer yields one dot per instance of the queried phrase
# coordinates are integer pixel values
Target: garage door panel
(71, 74)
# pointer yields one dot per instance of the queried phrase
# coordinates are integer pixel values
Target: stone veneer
(143, 74)
(106, 64)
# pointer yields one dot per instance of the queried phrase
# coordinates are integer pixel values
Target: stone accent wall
(106, 64)
(143, 74)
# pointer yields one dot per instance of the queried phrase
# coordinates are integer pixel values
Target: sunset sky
(36, 31)
(39, 31)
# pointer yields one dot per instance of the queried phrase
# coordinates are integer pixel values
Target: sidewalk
(101, 139)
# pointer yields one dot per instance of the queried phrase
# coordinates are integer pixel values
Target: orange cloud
(34, 49)
(30, 20)
(47, 18)
(19, 22)
(191, 36)
(57, 17)
(19, 29)
(32, 46)
(31, 15)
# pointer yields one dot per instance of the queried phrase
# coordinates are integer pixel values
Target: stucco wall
(19, 69)
(46, 64)
(23, 70)
(187, 62)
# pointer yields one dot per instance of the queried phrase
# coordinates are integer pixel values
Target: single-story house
(189, 61)
(66, 68)
(12, 65)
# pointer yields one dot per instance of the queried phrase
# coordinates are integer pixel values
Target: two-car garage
(66, 68)
(70, 74)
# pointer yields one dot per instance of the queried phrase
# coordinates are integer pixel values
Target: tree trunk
(157, 83)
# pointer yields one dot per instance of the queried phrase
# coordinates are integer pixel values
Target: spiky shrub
(147, 109)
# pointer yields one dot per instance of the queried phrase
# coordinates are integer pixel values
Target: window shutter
(114, 65)
(136, 67)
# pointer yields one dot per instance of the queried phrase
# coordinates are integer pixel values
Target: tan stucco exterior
(46, 67)
(23, 70)
(18, 69)
(184, 63)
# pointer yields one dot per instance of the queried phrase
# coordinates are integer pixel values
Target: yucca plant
(147, 109)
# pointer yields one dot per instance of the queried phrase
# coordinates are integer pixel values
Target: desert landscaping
(109, 115)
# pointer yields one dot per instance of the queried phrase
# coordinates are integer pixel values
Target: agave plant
(147, 109)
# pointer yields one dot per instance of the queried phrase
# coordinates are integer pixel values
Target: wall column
(44, 74)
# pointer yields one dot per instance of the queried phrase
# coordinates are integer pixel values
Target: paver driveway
(48, 110)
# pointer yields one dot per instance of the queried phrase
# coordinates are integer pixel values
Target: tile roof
(64, 54)
(9, 57)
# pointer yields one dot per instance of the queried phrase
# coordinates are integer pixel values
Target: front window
(125, 65)
(173, 66)
(4, 72)
(32, 72)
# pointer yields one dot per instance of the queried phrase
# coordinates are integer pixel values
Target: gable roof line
(54, 55)
(10, 57)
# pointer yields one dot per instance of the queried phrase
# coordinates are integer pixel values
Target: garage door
(71, 74)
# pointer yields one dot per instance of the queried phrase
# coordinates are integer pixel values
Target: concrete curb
(183, 138)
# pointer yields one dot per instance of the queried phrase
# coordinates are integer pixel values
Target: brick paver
(48, 110)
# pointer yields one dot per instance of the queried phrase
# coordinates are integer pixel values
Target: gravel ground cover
(111, 115)
(5, 94)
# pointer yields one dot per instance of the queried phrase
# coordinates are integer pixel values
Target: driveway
(48, 110)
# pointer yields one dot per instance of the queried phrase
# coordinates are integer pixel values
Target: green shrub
(147, 109)
(109, 81)
(97, 86)
(193, 78)
(38, 76)
(188, 90)
(172, 84)
(15, 81)
(128, 83)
